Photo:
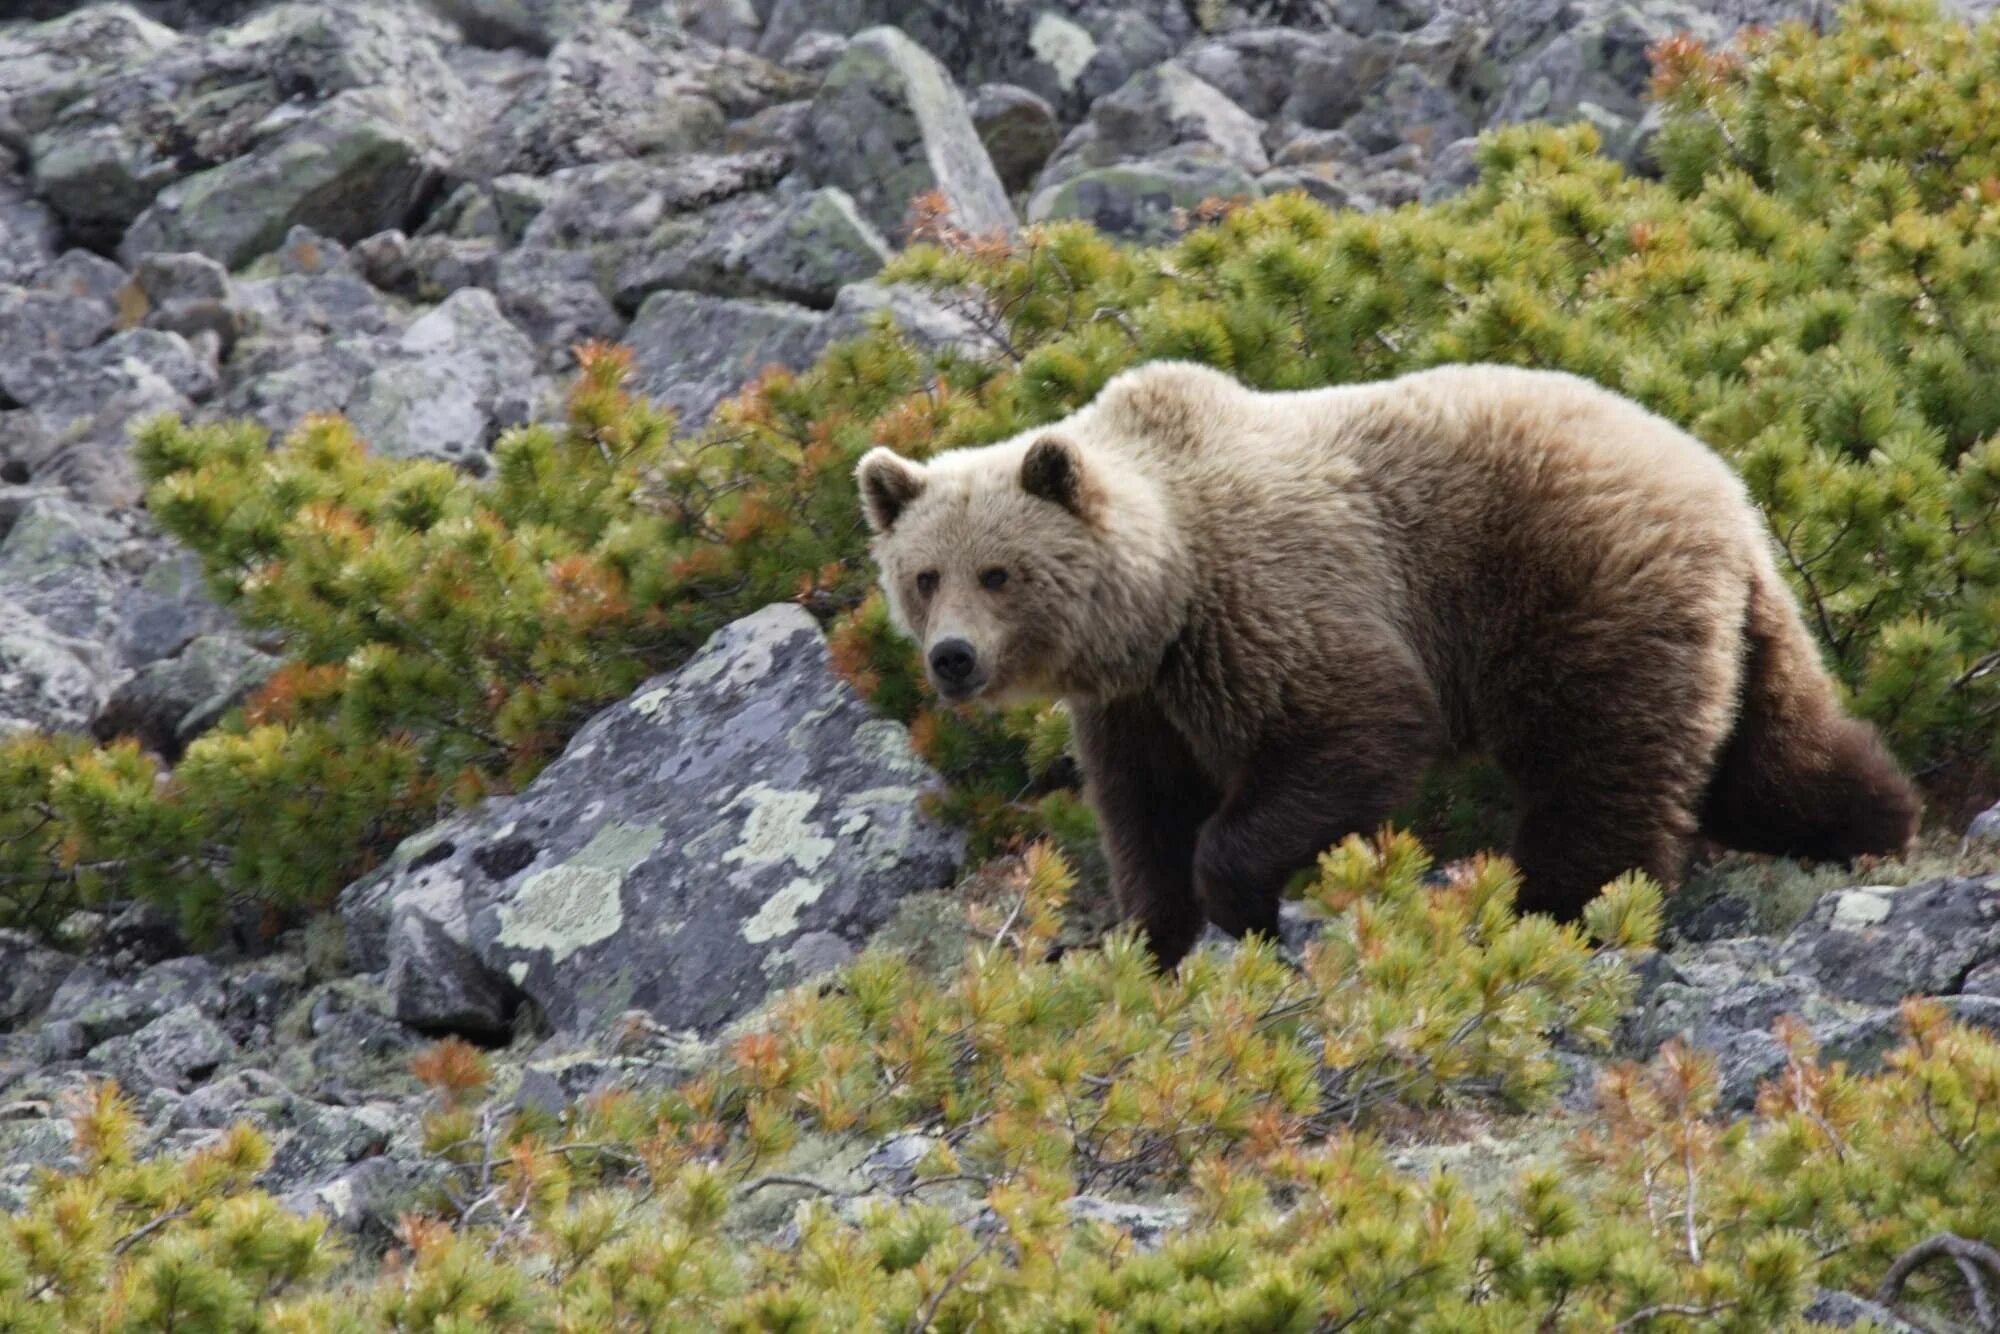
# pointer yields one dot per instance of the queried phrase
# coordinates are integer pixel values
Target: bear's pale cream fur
(1268, 612)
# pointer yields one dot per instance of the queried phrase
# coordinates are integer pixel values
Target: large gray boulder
(732, 828)
(692, 351)
(803, 249)
(46, 66)
(1879, 944)
(459, 376)
(349, 169)
(266, 101)
(888, 125)
(1166, 108)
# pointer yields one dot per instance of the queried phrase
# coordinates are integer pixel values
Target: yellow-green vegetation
(1265, 1103)
(1811, 288)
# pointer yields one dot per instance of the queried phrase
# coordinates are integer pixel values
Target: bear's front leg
(1150, 797)
(1301, 794)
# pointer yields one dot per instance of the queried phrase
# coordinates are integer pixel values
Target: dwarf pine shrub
(1268, 1107)
(1809, 287)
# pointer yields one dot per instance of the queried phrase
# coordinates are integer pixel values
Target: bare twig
(1976, 1261)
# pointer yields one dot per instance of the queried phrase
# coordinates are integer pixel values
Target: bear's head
(1029, 567)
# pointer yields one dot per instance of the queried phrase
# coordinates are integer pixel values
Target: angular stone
(168, 703)
(1019, 130)
(606, 96)
(553, 295)
(693, 351)
(888, 125)
(350, 168)
(803, 249)
(689, 842)
(455, 382)
(1164, 109)
(532, 25)
(1143, 201)
(46, 66)
(177, 1051)
(1879, 945)
(30, 972)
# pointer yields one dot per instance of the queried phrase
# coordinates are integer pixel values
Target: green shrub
(1810, 288)
(1274, 1104)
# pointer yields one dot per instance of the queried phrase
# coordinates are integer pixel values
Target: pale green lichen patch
(777, 830)
(780, 914)
(568, 907)
(1859, 908)
(888, 744)
(652, 704)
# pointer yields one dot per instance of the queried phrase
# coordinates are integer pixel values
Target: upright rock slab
(888, 125)
(732, 828)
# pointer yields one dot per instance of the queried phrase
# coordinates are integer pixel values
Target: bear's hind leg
(1568, 850)
(1608, 755)
(1150, 798)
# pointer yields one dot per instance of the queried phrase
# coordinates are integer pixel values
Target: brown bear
(1268, 612)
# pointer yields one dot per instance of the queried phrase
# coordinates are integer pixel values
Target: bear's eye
(993, 578)
(927, 582)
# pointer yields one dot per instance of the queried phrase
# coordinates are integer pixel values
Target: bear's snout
(954, 664)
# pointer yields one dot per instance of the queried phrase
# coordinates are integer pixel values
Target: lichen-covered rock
(731, 828)
(1984, 831)
(30, 972)
(553, 296)
(64, 306)
(1879, 944)
(28, 231)
(46, 66)
(1596, 68)
(1144, 201)
(1165, 109)
(691, 350)
(534, 25)
(888, 125)
(168, 703)
(1019, 129)
(802, 249)
(606, 95)
(349, 168)
(177, 1051)
(457, 379)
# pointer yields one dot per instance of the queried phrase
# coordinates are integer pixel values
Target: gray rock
(30, 972)
(28, 231)
(1293, 77)
(189, 294)
(914, 312)
(554, 296)
(1148, 1225)
(455, 383)
(1861, 1044)
(364, 1200)
(533, 25)
(1019, 130)
(803, 249)
(168, 703)
(266, 98)
(1844, 1310)
(46, 66)
(65, 306)
(49, 681)
(888, 125)
(815, 52)
(688, 841)
(625, 201)
(177, 1051)
(1984, 831)
(348, 168)
(1164, 109)
(1143, 201)
(1878, 945)
(606, 95)
(1596, 68)
(691, 351)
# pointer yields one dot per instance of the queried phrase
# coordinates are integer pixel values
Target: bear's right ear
(889, 482)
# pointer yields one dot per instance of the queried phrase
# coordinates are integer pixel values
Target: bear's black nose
(953, 661)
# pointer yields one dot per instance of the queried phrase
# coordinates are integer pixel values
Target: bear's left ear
(889, 482)
(1053, 471)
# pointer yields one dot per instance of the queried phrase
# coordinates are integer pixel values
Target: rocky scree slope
(410, 214)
